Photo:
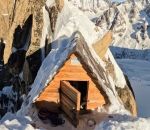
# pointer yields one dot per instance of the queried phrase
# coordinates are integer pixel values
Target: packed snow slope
(113, 122)
(124, 122)
(138, 73)
(13, 122)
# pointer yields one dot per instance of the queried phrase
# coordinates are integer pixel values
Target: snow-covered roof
(57, 57)
(79, 47)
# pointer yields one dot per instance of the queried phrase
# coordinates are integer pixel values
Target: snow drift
(124, 122)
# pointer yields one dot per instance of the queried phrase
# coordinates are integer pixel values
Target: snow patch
(124, 122)
(12, 122)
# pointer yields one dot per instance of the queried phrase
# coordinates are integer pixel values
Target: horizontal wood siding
(95, 98)
(73, 73)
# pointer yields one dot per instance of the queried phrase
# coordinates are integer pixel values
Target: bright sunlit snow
(138, 72)
(124, 122)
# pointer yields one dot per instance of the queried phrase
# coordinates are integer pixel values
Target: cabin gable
(74, 73)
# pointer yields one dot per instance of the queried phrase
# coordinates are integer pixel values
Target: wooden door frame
(88, 83)
(74, 99)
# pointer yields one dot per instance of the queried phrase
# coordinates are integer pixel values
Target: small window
(75, 61)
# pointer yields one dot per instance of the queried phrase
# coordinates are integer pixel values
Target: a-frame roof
(57, 57)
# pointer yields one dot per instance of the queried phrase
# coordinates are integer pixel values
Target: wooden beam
(102, 45)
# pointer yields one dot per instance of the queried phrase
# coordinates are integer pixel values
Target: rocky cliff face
(18, 14)
(21, 28)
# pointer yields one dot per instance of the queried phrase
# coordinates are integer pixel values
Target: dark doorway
(82, 87)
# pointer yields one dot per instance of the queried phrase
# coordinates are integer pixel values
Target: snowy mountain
(41, 36)
(131, 26)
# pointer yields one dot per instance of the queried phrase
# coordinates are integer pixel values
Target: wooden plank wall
(70, 72)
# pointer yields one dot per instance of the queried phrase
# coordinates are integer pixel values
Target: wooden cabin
(73, 88)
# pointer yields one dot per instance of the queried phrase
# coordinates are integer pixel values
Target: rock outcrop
(15, 14)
